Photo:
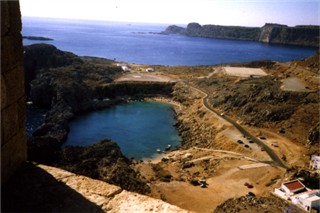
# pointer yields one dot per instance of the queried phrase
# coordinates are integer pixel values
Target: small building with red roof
(300, 195)
(292, 187)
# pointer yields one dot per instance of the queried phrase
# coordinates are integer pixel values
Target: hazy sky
(223, 12)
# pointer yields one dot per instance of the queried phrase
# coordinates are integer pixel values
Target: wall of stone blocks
(13, 113)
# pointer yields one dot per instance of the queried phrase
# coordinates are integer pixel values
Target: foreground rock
(103, 161)
(47, 189)
(256, 204)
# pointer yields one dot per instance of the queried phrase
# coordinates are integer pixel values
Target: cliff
(269, 33)
(281, 34)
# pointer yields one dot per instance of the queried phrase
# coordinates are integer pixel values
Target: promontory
(304, 35)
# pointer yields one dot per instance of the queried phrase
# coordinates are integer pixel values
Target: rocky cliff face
(281, 34)
(44, 56)
(270, 33)
(135, 89)
(63, 83)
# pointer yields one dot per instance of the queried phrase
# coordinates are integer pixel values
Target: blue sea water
(35, 118)
(138, 43)
(139, 128)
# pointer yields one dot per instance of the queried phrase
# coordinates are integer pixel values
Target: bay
(139, 128)
(139, 43)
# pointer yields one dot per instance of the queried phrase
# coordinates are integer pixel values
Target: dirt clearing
(244, 72)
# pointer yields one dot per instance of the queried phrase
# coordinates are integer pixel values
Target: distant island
(304, 35)
(38, 38)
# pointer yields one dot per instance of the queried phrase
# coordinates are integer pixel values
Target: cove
(139, 128)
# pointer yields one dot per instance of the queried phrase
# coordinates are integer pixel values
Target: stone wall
(13, 113)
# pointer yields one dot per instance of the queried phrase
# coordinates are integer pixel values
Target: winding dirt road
(270, 152)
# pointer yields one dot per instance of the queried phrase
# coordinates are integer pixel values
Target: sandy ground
(296, 154)
(226, 176)
(244, 72)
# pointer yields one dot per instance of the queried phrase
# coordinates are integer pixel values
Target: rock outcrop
(269, 33)
(103, 161)
(314, 135)
(44, 56)
(255, 204)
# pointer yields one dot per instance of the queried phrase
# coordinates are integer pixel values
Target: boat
(168, 147)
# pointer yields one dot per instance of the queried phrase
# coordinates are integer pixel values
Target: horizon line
(142, 22)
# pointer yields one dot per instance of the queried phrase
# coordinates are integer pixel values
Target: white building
(298, 194)
(149, 69)
(315, 163)
(308, 200)
(124, 67)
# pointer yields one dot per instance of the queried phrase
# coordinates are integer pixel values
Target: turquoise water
(139, 128)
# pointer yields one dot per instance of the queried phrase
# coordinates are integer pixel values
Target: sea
(141, 43)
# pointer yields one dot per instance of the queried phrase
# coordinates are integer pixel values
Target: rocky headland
(37, 38)
(269, 33)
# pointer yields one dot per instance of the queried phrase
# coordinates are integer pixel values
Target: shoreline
(176, 105)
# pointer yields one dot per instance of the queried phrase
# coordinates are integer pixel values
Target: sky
(220, 12)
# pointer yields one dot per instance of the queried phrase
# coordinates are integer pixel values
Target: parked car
(251, 194)
(240, 141)
(248, 185)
